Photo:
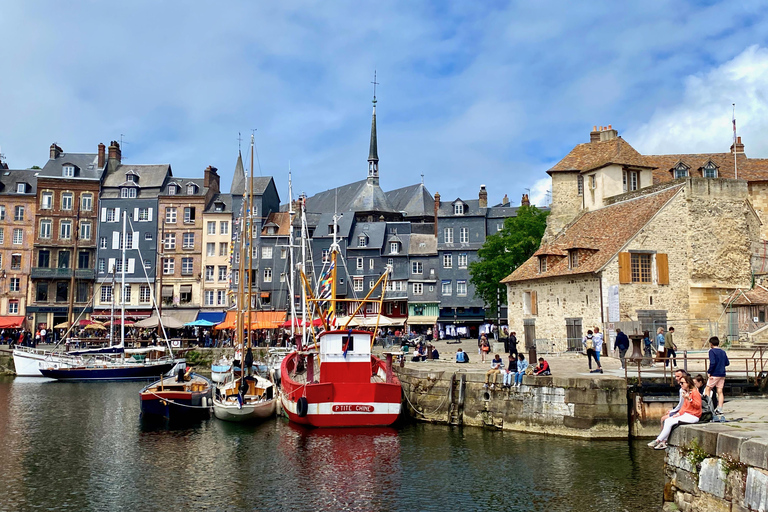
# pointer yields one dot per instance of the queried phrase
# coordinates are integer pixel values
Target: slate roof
(85, 162)
(359, 196)
(183, 182)
(593, 155)
(150, 176)
(220, 198)
(238, 178)
(375, 232)
(502, 212)
(423, 245)
(758, 296)
(750, 169)
(471, 208)
(344, 226)
(9, 178)
(604, 232)
(414, 200)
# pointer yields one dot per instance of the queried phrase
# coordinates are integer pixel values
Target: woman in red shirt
(690, 412)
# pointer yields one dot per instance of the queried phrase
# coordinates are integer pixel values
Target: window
(211, 227)
(390, 262)
(46, 200)
(362, 241)
(283, 253)
(359, 264)
(147, 264)
(186, 266)
(542, 264)
(2, 212)
(13, 307)
(709, 170)
(641, 267)
(18, 236)
(357, 284)
(144, 294)
(127, 294)
(173, 190)
(371, 264)
(530, 303)
(210, 249)
(417, 267)
(221, 297)
(223, 248)
(68, 171)
(223, 227)
(129, 176)
(111, 215)
(191, 189)
(147, 236)
(463, 260)
(45, 228)
(86, 202)
(106, 293)
(82, 292)
(458, 209)
(128, 240)
(84, 259)
(630, 180)
(185, 293)
(62, 291)
(85, 231)
(102, 265)
(580, 185)
(21, 188)
(209, 272)
(282, 277)
(222, 273)
(464, 235)
(169, 266)
(209, 297)
(326, 257)
(118, 266)
(15, 284)
(461, 288)
(170, 215)
(418, 289)
(681, 171)
(394, 247)
(266, 252)
(66, 200)
(16, 261)
(170, 241)
(254, 252)
(267, 275)
(447, 288)
(44, 258)
(18, 213)
(188, 241)
(41, 294)
(143, 214)
(189, 215)
(447, 260)
(448, 235)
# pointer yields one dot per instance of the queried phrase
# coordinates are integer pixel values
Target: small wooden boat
(249, 399)
(184, 396)
(221, 370)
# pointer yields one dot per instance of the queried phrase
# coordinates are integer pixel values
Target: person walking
(671, 348)
(622, 345)
(513, 344)
(690, 412)
(589, 347)
(484, 348)
(648, 346)
(718, 360)
(522, 365)
(660, 340)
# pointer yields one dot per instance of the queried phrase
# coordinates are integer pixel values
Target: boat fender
(205, 401)
(302, 407)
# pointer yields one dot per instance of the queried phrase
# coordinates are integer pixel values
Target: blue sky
(470, 93)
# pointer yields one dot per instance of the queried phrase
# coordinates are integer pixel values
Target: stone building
(18, 192)
(630, 239)
(131, 190)
(63, 268)
(217, 236)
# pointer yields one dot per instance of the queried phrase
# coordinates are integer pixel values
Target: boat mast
(239, 327)
(249, 233)
(334, 253)
(122, 287)
(303, 272)
(291, 288)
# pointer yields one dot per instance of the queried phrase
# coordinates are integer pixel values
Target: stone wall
(567, 406)
(717, 467)
(566, 202)
(758, 197)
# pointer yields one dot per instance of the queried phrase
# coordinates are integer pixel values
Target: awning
(132, 314)
(370, 321)
(422, 320)
(11, 322)
(215, 317)
(259, 320)
(182, 315)
(168, 322)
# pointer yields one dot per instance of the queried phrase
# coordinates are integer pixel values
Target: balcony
(62, 273)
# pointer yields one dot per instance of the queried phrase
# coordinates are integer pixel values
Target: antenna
(422, 177)
(375, 83)
(121, 145)
(239, 141)
(258, 161)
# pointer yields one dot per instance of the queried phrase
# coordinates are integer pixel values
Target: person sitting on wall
(420, 354)
(690, 412)
(509, 373)
(522, 366)
(496, 366)
(435, 353)
(542, 368)
(461, 356)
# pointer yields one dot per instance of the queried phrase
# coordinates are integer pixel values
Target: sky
(469, 93)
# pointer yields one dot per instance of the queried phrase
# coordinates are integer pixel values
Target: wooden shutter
(625, 268)
(135, 240)
(534, 303)
(115, 239)
(103, 215)
(149, 214)
(662, 267)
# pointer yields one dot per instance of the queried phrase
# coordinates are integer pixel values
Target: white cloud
(540, 194)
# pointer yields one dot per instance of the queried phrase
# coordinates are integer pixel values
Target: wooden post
(310, 368)
(389, 367)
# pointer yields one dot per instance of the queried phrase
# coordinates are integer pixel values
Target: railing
(754, 367)
(61, 273)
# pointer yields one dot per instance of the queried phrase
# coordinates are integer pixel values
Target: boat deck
(301, 378)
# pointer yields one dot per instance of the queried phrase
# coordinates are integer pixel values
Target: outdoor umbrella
(199, 323)
(62, 325)
(168, 321)
(95, 327)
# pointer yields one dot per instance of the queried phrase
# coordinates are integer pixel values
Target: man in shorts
(718, 360)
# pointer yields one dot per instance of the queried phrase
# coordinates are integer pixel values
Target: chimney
(211, 178)
(505, 201)
(738, 147)
(102, 155)
(483, 197)
(115, 156)
(437, 207)
(525, 201)
(594, 135)
(56, 151)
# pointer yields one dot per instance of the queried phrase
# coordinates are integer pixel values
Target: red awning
(11, 322)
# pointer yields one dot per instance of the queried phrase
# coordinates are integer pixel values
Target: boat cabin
(345, 356)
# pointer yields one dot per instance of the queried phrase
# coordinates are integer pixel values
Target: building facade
(217, 238)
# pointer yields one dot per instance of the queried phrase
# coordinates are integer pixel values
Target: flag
(734, 126)
(324, 291)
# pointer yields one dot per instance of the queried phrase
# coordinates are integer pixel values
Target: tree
(506, 250)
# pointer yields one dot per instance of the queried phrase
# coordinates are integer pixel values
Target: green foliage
(695, 455)
(35, 167)
(506, 250)
(729, 463)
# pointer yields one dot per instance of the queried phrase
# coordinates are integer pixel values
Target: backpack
(707, 409)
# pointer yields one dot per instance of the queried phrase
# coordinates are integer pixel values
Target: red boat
(341, 384)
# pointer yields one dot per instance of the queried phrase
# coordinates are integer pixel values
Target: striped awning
(422, 320)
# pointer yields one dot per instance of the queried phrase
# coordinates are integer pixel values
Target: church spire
(373, 152)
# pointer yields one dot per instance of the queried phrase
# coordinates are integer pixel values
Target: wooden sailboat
(185, 396)
(245, 397)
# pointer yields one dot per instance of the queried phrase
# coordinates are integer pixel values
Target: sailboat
(245, 397)
(338, 382)
(110, 363)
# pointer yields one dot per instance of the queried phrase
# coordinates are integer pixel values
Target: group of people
(662, 344)
(512, 375)
(693, 399)
(661, 347)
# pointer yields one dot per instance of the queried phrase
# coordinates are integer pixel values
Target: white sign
(613, 303)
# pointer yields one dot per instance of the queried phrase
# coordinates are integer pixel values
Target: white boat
(255, 404)
(221, 370)
(28, 361)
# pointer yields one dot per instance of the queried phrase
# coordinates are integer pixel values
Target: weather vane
(375, 83)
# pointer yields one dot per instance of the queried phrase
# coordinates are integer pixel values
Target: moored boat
(109, 370)
(184, 396)
(251, 399)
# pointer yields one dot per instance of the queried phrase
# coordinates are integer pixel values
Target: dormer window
(458, 209)
(173, 190)
(191, 189)
(219, 207)
(128, 192)
(394, 247)
(21, 188)
(330, 229)
(709, 170)
(271, 230)
(362, 241)
(542, 264)
(681, 170)
(573, 258)
(131, 177)
(68, 171)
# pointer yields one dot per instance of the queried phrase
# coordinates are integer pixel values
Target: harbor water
(69, 446)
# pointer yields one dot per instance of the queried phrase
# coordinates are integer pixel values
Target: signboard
(613, 303)
(353, 408)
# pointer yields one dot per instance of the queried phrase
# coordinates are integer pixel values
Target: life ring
(302, 407)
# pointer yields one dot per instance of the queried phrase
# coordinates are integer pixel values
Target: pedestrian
(718, 360)
(43, 334)
(669, 344)
(522, 365)
(484, 348)
(622, 345)
(513, 344)
(429, 334)
(647, 346)
(660, 344)
(690, 412)
(497, 365)
(590, 346)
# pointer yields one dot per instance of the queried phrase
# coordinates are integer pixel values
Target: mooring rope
(178, 403)
(421, 413)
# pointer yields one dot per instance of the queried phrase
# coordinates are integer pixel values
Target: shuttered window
(662, 267)
(625, 270)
